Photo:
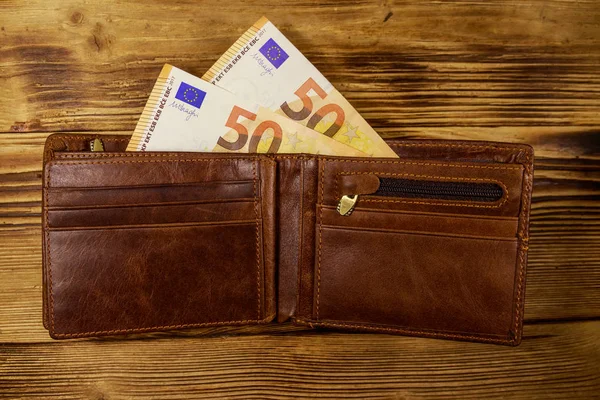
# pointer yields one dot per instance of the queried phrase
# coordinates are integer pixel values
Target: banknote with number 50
(263, 66)
(185, 113)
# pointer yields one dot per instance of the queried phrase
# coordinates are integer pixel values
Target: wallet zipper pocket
(426, 189)
(465, 191)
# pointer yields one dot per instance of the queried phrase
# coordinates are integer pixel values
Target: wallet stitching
(522, 250)
(110, 139)
(457, 203)
(57, 138)
(300, 237)
(527, 151)
(129, 154)
(464, 165)
(478, 146)
(295, 157)
(127, 138)
(257, 244)
(523, 247)
(147, 161)
(377, 328)
(320, 241)
(152, 328)
(48, 259)
(143, 329)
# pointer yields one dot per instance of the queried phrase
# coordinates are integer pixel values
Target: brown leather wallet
(433, 243)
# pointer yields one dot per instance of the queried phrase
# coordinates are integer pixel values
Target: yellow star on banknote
(351, 132)
(293, 140)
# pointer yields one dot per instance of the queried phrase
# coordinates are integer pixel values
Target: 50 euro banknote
(185, 113)
(263, 66)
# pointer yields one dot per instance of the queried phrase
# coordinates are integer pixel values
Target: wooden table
(525, 71)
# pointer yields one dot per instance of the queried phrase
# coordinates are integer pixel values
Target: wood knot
(77, 17)
(100, 39)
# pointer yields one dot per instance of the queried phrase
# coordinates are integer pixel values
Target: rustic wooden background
(526, 71)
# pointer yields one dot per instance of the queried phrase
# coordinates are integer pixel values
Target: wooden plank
(525, 71)
(554, 361)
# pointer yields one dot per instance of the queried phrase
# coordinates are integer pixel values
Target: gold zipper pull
(96, 145)
(346, 204)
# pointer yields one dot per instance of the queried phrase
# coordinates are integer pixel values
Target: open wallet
(433, 243)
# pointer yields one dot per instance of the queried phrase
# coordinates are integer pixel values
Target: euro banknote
(185, 113)
(263, 66)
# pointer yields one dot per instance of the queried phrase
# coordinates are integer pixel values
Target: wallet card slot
(142, 279)
(152, 214)
(160, 168)
(411, 221)
(73, 197)
(147, 226)
(415, 281)
(417, 232)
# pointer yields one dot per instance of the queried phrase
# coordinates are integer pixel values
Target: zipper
(425, 189)
(466, 191)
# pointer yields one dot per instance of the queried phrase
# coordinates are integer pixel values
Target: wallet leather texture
(435, 246)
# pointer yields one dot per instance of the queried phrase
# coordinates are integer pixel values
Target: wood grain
(554, 361)
(526, 71)
(510, 71)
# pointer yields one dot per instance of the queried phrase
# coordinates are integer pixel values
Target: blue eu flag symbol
(274, 53)
(190, 95)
